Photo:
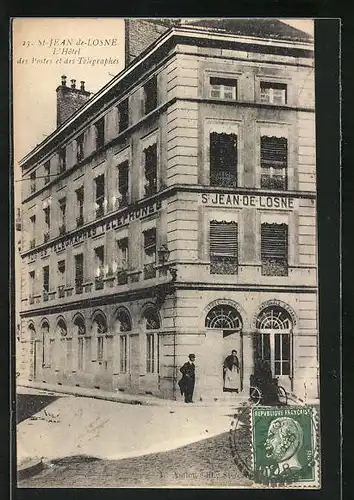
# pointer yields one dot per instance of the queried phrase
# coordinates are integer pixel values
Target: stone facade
(134, 334)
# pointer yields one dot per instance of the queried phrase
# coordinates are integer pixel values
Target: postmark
(285, 446)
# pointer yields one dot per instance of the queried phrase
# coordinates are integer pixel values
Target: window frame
(151, 85)
(222, 87)
(271, 86)
(100, 138)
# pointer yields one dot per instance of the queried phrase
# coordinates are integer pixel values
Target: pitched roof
(263, 28)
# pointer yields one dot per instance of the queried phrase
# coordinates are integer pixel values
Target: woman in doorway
(231, 373)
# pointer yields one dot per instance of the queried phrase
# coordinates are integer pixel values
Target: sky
(35, 81)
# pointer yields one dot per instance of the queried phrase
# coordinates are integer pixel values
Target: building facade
(173, 212)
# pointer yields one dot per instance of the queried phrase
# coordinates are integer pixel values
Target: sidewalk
(119, 397)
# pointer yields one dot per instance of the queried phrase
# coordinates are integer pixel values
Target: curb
(116, 398)
(35, 467)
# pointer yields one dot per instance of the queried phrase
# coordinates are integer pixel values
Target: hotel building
(174, 211)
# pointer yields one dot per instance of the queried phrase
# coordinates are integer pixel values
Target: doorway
(225, 334)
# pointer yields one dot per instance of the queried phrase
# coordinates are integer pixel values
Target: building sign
(96, 229)
(247, 200)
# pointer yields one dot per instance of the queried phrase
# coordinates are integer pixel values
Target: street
(94, 443)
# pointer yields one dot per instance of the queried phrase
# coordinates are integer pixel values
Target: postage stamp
(285, 446)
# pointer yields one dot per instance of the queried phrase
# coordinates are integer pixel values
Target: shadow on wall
(29, 404)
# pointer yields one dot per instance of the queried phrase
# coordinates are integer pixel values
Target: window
(62, 160)
(100, 347)
(81, 330)
(51, 358)
(80, 353)
(150, 167)
(224, 317)
(123, 115)
(150, 353)
(100, 327)
(149, 253)
(61, 279)
(99, 128)
(223, 88)
(80, 206)
(32, 279)
(33, 231)
(123, 183)
(152, 320)
(273, 339)
(223, 247)
(274, 162)
(47, 172)
(47, 224)
(123, 351)
(150, 95)
(273, 93)
(274, 249)
(223, 159)
(45, 282)
(123, 256)
(99, 196)
(99, 258)
(33, 182)
(80, 148)
(79, 273)
(62, 213)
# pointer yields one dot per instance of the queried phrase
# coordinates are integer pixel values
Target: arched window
(99, 327)
(123, 321)
(152, 320)
(61, 327)
(273, 339)
(274, 318)
(45, 340)
(224, 317)
(79, 323)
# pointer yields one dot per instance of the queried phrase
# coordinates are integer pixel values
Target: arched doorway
(224, 336)
(273, 342)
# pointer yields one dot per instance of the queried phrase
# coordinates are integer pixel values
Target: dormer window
(223, 88)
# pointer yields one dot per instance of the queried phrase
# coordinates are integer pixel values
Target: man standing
(186, 384)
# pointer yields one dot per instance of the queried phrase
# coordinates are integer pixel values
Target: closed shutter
(274, 242)
(223, 239)
(79, 269)
(223, 151)
(274, 152)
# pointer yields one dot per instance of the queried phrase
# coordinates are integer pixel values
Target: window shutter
(274, 152)
(223, 151)
(274, 241)
(223, 238)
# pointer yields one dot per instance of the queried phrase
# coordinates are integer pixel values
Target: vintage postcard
(166, 253)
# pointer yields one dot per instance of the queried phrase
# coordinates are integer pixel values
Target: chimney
(70, 99)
